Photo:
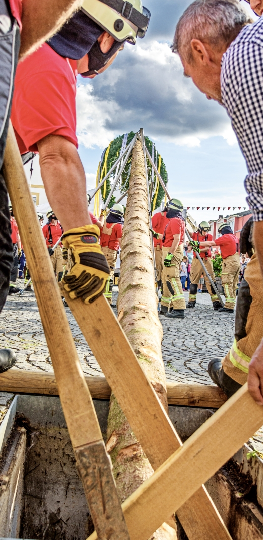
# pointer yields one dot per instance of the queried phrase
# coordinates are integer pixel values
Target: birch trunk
(137, 309)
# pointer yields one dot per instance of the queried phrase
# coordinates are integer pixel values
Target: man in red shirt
(44, 118)
(228, 244)
(37, 22)
(202, 235)
(159, 222)
(173, 240)
(52, 232)
(110, 241)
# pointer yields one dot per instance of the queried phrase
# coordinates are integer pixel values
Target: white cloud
(145, 87)
(90, 181)
(92, 115)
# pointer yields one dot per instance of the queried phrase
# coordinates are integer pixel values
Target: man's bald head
(216, 22)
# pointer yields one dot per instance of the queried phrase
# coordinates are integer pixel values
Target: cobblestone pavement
(188, 344)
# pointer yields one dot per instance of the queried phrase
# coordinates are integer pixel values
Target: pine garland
(112, 153)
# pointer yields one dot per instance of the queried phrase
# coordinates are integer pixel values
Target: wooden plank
(78, 408)
(22, 381)
(141, 407)
(193, 464)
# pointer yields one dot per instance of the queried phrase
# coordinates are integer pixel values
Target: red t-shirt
(175, 226)
(16, 10)
(111, 240)
(202, 238)
(56, 232)
(14, 233)
(159, 222)
(228, 245)
(44, 99)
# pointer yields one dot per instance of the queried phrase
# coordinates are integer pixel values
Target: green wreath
(111, 154)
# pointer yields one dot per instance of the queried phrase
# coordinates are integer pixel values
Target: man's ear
(106, 41)
(199, 51)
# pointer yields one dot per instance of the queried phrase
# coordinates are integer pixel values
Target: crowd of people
(221, 51)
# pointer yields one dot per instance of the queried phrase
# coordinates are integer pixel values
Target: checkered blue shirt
(242, 95)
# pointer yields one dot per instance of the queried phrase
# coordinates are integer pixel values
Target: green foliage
(114, 152)
(217, 265)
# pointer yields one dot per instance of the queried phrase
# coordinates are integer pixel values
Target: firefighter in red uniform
(159, 222)
(110, 240)
(202, 235)
(52, 232)
(173, 240)
(228, 244)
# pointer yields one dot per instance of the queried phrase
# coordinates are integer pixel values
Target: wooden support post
(181, 476)
(92, 460)
(36, 382)
(135, 394)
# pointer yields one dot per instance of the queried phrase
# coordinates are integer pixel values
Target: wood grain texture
(142, 408)
(179, 478)
(76, 401)
(94, 467)
(22, 381)
(74, 394)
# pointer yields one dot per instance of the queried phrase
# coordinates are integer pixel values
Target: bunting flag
(217, 208)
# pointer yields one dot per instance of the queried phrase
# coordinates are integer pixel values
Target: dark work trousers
(9, 49)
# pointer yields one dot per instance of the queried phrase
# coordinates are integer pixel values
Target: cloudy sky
(145, 87)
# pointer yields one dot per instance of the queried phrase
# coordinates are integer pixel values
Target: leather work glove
(155, 234)
(65, 254)
(195, 245)
(88, 277)
(104, 212)
(168, 260)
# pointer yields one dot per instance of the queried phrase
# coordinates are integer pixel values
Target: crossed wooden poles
(180, 470)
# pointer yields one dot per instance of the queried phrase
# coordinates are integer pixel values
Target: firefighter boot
(163, 310)
(175, 314)
(7, 359)
(225, 310)
(217, 374)
(192, 296)
(217, 305)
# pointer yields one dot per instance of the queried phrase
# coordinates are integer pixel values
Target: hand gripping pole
(92, 460)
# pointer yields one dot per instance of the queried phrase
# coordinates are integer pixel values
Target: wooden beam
(83, 426)
(22, 381)
(179, 478)
(136, 397)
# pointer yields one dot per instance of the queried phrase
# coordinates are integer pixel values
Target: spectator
(183, 272)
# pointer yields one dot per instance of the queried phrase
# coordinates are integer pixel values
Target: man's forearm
(258, 242)
(41, 20)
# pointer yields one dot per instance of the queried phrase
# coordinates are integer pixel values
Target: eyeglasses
(142, 31)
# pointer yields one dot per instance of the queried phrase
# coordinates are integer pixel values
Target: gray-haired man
(223, 55)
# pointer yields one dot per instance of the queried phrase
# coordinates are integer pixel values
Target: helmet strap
(98, 59)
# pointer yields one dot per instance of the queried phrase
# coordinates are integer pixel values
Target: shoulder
(242, 57)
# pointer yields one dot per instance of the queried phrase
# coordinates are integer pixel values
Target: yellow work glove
(88, 277)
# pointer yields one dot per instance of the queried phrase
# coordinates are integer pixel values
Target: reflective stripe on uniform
(214, 297)
(192, 297)
(239, 360)
(178, 295)
(166, 300)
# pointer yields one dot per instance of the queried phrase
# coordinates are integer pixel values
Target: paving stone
(188, 344)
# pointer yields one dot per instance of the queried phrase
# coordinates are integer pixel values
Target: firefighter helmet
(175, 204)
(122, 20)
(49, 213)
(40, 216)
(222, 226)
(117, 209)
(204, 226)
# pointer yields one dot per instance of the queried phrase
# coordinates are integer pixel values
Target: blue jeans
(183, 280)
